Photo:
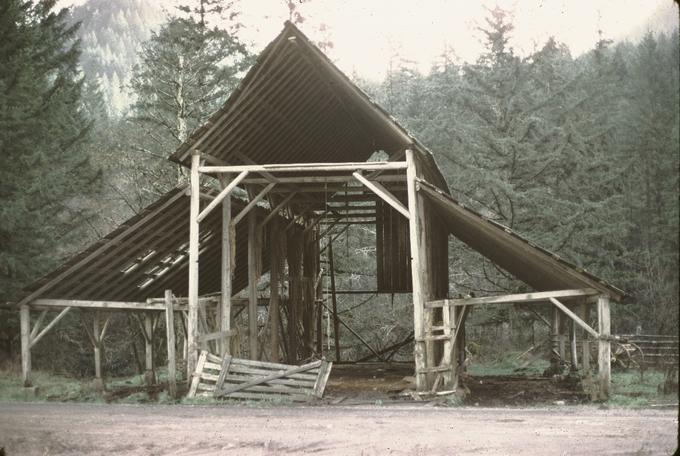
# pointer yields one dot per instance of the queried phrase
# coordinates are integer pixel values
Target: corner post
(418, 270)
(225, 302)
(25, 317)
(192, 320)
(170, 331)
(604, 345)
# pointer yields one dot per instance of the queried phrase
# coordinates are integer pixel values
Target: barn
(297, 153)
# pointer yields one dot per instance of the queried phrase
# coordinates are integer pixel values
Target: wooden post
(192, 320)
(25, 323)
(149, 376)
(252, 284)
(170, 331)
(585, 344)
(604, 345)
(99, 383)
(556, 356)
(419, 268)
(572, 340)
(447, 358)
(274, 293)
(225, 303)
(334, 301)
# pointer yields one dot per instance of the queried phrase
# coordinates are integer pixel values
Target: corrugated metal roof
(534, 265)
(147, 254)
(296, 106)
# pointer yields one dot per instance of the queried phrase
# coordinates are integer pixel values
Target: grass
(506, 364)
(50, 387)
(629, 390)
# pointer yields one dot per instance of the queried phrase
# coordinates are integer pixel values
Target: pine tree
(45, 174)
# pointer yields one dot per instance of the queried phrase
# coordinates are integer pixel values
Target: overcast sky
(366, 33)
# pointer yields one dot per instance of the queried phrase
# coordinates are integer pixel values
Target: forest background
(577, 153)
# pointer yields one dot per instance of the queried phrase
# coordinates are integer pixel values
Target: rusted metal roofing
(146, 255)
(534, 265)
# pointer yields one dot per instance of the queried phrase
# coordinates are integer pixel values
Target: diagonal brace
(383, 193)
(575, 317)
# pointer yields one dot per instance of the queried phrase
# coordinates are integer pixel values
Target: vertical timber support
(149, 375)
(192, 320)
(274, 293)
(225, 283)
(604, 346)
(556, 356)
(252, 285)
(585, 344)
(25, 322)
(334, 301)
(419, 269)
(170, 331)
(97, 344)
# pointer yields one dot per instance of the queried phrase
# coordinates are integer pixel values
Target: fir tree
(187, 70)
(45, 174)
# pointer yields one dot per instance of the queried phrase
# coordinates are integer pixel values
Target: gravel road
(57, 428)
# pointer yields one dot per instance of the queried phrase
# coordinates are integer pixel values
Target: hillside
(111, 34)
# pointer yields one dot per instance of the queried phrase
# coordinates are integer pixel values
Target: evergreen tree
(45, 174)
(187, 70)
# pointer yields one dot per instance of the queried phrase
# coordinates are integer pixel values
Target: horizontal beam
(303, 167)
(574, 317)
(514, 298)
(322, 179)
(112, 305)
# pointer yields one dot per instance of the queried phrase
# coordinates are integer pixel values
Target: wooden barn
(298, 138)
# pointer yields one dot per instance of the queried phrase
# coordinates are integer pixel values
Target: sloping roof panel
(539, 268)
(146, 255)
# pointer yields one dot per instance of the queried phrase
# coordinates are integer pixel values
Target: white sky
(366, 33)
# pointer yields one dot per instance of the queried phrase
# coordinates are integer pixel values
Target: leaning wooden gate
(247, 379)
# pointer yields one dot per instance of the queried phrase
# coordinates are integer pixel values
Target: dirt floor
(371, 382)
(65, 429)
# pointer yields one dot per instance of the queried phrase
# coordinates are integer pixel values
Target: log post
(149, 376)
(556, 355)
(97, 344)
(274, 293)
(252, 284)
(192, 320)
(585, 345)
(604, 345)
(25, 323)
(225, 302)
(170, 331)
(572, 340)
(419, 268)
(334, 301)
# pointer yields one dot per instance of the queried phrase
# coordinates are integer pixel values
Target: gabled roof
(296, 106)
